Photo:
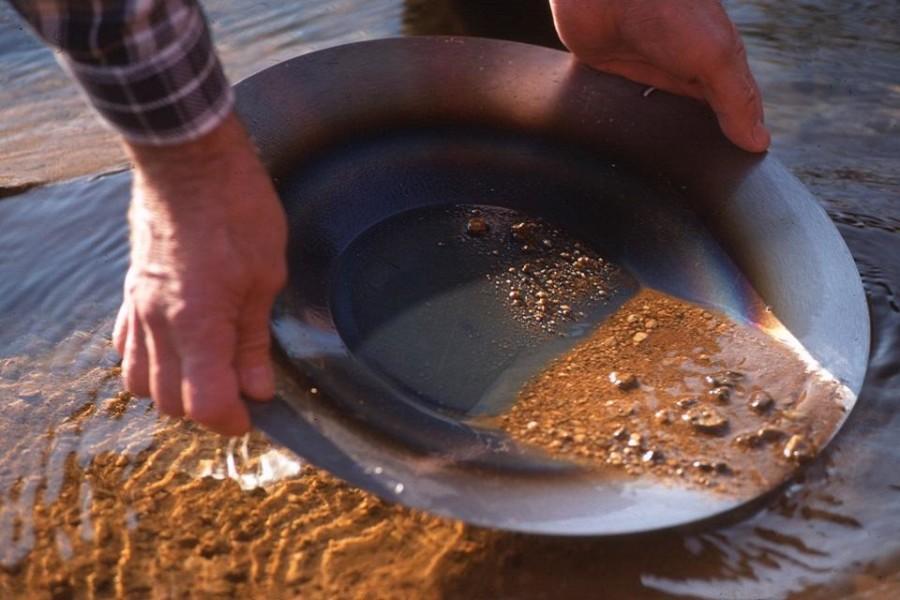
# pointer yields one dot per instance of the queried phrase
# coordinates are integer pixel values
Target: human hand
(685, 47)
(208, 238)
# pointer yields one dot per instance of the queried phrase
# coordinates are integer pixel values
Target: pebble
(725, 379)
(477, 227)
(623, 381)
(720, 394)
(620, 433)
(635, 440)
(651, 323)
(651, 456)
(524, 231)
(531, 425)
(706, 419)
(663, 417)
(799, 449)
(639, 337)
(770, 434)
(685, 403)
(761, 402)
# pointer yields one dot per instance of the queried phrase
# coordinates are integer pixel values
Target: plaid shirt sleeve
(147, 66)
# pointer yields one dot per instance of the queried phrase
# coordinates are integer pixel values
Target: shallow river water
(99, 497)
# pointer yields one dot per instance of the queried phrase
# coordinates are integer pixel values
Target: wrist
(225, 147)
(206, 172)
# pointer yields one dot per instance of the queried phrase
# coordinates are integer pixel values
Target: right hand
(687, 47)
(208, 237)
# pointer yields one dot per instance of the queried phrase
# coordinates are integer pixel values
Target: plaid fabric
(147, 66)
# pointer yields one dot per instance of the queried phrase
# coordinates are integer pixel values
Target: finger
(120, 330)
(209, 384)
(135, 361)
(164, 372)
(253, 359)
(734, 96)
(643, 72)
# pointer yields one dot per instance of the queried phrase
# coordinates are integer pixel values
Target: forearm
(181, 174)
(149, 68)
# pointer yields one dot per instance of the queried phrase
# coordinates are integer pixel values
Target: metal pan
(370, 143)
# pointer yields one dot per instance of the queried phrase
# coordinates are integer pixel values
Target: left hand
(687, 47)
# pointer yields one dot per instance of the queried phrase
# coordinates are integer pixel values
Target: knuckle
(255, 344)
(180, 314)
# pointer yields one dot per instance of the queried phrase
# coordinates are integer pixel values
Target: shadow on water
(102, 496)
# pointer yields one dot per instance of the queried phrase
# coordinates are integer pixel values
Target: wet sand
(669, 390)
(99, 496)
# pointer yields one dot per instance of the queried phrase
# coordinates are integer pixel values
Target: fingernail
(761, 136)
(258, 382)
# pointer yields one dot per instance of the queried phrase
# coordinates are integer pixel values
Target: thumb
(734, 96)
(254, 365)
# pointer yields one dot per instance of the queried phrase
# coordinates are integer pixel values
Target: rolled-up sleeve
(148, 66)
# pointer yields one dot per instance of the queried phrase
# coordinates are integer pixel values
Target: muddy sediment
(671, 390)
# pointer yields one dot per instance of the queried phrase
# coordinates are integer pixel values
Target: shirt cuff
(165, 86)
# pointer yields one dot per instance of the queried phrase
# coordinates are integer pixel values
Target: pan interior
(409, 292)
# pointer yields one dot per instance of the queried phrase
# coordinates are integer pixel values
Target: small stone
(663, 417)
(639, 337)
(614, 458)
(685, 403)
(633, 318)
(706, 419)
(724, 379)
(515, 295)
(720, 394)
(770, 434)
(761, 402)
(799, 449)
(477, 227)
(702, 466)
(524, 231)
(531, 425)
(747, 440)
(651, 456)
(650, 324)
(623, 381)
(635, 440)
(620, 434)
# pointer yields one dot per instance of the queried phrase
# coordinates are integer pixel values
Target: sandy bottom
(190, 515)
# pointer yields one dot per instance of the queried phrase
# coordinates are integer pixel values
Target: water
(99, 494)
